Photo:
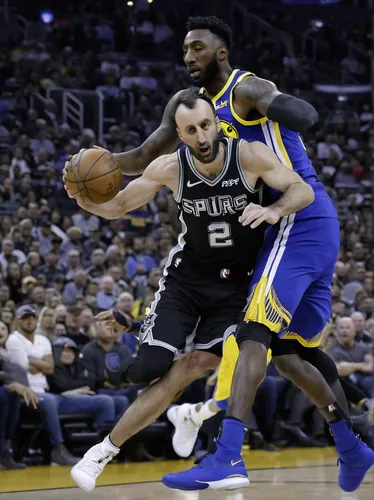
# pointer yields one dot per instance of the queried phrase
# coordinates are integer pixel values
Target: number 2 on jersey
(219, 234)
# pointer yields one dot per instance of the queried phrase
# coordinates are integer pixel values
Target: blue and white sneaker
(211, 472)
(354, 465)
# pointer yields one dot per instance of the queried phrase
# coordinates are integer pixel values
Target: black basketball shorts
(203, 313)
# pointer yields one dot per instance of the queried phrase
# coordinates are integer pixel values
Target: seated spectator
(46, 323)
(102, 354)
(362, 335)
(80, 325)
(69, 384)
(138, 262)
(353, 359)
(50, 269)
(60, 330)
(97, 270)
(75, 289)
(106, 297)
(34, 353)
(13, 380)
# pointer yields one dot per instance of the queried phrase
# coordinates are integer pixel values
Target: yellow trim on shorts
(266, 309)
(313, 342)
(227, 368)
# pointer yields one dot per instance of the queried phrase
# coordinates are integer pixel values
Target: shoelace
(94, 463)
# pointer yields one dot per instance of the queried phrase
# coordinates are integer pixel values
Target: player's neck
(213, 169)
(219, 82)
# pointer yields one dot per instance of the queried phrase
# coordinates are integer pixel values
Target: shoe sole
(75, 475)
(228, 484)
(358, 483)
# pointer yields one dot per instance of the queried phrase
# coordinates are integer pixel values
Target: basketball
(95, 175)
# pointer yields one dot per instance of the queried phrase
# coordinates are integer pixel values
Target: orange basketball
(95, 175)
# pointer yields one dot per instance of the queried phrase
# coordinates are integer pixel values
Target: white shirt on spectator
(323, 150)
(20, 348)
(107, 66)
(18, 254)
(86, 225)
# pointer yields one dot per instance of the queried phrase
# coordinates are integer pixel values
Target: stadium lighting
(130, 3)
(150, 1)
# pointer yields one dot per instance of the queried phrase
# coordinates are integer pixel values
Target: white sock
(110, 446)
(201, 412)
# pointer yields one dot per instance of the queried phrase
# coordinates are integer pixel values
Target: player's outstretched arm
(138, 192)
(258, 159)
(163, 140)
(291, 112)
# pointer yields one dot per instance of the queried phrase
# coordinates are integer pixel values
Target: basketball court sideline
(292, 474)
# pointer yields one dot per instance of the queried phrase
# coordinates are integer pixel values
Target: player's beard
(209, 74)
(213, 153)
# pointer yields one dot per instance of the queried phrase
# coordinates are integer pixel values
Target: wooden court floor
(293, 474)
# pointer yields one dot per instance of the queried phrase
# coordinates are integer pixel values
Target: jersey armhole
(178, 195)
(233, 112)
(240, 170)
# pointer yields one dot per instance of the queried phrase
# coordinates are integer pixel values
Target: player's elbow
(306, 119)
(293, 113)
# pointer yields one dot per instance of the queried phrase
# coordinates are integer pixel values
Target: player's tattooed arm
(259, 162)
(263, 95)
(163, 140)
(164, 171)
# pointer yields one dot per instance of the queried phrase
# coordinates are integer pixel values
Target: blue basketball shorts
(290, 285)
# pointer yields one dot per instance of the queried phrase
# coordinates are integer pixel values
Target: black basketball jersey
(209, 212)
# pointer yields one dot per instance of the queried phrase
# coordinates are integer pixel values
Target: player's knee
(151, 363)
(320, 360)
(197, 362)
(289, 365)
(253, 331)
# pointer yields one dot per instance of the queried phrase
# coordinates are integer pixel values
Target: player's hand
(107, 317)
(254, 215)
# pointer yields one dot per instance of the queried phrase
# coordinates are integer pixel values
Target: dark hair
(190, 97)
(214, 25)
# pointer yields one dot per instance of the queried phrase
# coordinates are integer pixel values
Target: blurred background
(75, 74)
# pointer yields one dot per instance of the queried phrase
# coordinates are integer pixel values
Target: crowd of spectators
(60, 266)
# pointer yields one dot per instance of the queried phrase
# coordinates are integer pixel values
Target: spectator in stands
(10, 254)
(102, 354)
(50, 269)
(73, 263)
(75, 289)
(38, 298)
(97, 268)
(34, 353)
(362, 334)
(14, 282)
(106, 296)
(353, 359)
(46, 323)
(69, 384)
(138, 262)
(13, 386)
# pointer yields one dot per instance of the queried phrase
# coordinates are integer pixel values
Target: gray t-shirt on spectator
(354, 354)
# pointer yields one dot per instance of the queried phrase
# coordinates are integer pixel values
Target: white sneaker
(186, 430)
(92, 464)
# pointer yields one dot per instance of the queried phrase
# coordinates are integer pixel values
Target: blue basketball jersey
(286, 144)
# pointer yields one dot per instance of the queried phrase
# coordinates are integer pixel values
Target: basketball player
(217, 185)
(250, 108)
(254, 109)
(290, 287)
